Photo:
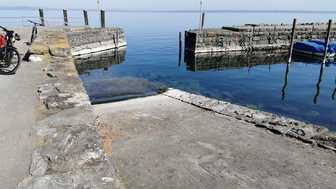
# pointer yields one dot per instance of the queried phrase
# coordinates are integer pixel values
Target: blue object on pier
(314, 48)
(331, 45)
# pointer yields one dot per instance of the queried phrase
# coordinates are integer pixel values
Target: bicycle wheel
(10, 60)
(33, 36)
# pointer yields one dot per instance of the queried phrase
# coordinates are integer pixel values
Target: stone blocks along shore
(71, 154)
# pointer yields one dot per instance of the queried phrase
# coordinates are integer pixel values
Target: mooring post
(65, 15)
(102, 17)
(86, 18)
(203, 17)
(327, 42)
(41, 17)
(292, 41)
(180, 49)
(180, 40)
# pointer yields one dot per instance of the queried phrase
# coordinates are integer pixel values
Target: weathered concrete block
(38, 49)
(62, 50)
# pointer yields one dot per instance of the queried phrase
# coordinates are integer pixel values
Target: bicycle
(10, 58)
(34, 31)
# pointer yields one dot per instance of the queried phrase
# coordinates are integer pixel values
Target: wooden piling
(327, 42)
(203, 17)
(180, 40)
(41, 17)
(292, 41)
(102, 17)
(65, 16)
(180, 48)
(86, 18)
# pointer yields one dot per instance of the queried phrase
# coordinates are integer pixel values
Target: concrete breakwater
(71, 154)
(78, 41)
(253, 37)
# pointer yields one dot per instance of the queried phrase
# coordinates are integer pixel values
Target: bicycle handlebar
(35, 23)
(7, 31)
(10, 33)
(4, 29)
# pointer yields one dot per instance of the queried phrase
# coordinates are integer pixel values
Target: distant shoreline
(180, 11)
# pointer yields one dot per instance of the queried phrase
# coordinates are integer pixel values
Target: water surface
(257, 81)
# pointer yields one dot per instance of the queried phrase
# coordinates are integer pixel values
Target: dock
(253, 37)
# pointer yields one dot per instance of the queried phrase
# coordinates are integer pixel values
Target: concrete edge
(308, 133)
(71, 154)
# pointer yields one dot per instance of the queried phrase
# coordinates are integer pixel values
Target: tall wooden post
(292, 41)
(180, 40)
(180, 48)
(327, 42)
(65, 15)
(203, 17)
(86, 18)
(41, 17)
(102, 16)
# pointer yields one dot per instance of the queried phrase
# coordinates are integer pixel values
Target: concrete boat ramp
(51, 137)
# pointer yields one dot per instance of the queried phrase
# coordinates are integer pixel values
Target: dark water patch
(116, 89)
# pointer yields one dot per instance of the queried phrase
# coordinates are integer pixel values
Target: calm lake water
(151, 60)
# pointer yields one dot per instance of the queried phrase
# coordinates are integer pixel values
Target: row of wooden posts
(86, 18)
(325, 45)
(322, 65)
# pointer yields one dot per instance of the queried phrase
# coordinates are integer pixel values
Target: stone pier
(71, 154)
(253, 37)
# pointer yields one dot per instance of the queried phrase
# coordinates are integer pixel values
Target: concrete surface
(18, 111)
(18, 114)
(25, 34)
(159, 142)
(71, 154)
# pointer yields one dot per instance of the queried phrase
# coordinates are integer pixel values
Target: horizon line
(209, 11)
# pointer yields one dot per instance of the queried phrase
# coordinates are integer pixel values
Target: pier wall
(88, 40)
(80, 41)
(253, 38)
(71, 154)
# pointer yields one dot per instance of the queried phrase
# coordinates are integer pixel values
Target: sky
(171, 5)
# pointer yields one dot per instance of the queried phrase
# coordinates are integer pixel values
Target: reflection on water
(239, 60)
(104, 59)
(103, 87)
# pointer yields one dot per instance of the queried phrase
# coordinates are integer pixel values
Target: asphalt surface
(18, 113)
